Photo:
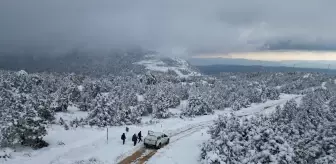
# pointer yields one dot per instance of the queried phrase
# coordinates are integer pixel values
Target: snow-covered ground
(90, 144)
(323, 85)
(73, 112)
(185, 150)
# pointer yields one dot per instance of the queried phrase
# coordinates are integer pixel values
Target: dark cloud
(299, 45)
(196, 26)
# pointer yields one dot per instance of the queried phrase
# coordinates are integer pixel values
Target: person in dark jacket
(139, 136)
(123, 137)
(134, 139)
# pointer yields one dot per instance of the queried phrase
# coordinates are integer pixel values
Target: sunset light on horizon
(277, 56)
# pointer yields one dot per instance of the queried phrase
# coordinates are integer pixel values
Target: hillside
(175, 66)
(96, 63)
(62, 117)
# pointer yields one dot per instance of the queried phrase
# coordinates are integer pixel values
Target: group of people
(135, 138)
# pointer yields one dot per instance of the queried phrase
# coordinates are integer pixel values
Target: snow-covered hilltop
(173, 65)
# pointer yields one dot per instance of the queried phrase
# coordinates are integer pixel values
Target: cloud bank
(194, 26)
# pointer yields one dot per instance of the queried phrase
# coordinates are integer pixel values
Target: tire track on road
(145, 158)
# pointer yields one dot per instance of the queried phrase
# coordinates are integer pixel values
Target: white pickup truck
(156, 139)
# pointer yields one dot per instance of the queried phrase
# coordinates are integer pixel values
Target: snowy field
(89, 145)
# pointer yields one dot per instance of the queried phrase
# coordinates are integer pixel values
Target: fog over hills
(77, 61)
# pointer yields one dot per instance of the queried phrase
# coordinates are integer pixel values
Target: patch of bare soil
(145, 158)
(133, 157)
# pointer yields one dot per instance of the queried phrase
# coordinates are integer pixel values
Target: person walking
(134, 139)
(139, 136)
(123, 137)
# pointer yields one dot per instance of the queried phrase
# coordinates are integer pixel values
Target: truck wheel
(159, 146)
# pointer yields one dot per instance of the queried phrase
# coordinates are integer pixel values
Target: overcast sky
(194, 26)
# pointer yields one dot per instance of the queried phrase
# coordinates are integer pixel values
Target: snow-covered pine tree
(245, 141)
(61, 102)
(272, 93)
(182, 92)
(196, 107)
(25, 126)
(144, 108)
(112, 112)
(132, 116)
(287, 113)
(129, 98)
(61, 121)
(74, 94)
(85, 103)
(160, 108)
(263, 95)
(102, 115)
(75, 122)
(66, 127)
(254, 95)
(150, 79)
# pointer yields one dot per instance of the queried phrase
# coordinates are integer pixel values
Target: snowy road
(143, 154)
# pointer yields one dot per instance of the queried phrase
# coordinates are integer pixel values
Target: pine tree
(61, 121)
(25, 126)
(196, 107)
(100, 115)
(111, 112)
(161, 110)
(66, 127)
(245, 141)
(144, 108)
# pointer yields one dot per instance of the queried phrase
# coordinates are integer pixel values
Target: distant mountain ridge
(246, 62)
(217, 69)
(97, 63)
